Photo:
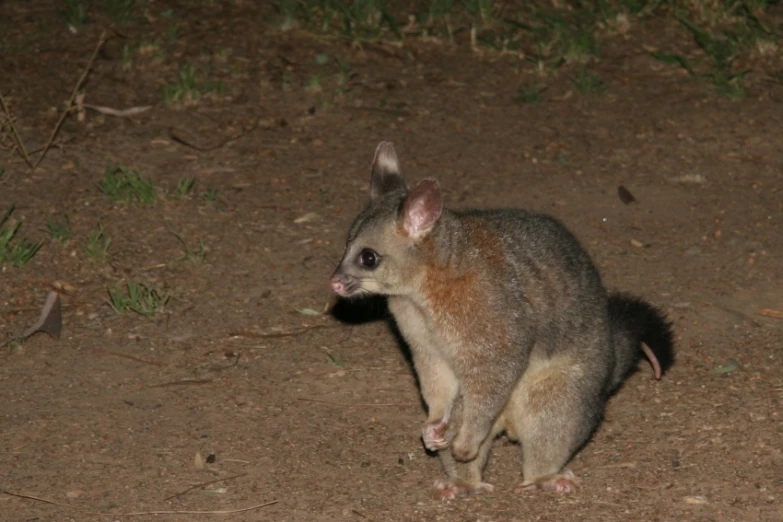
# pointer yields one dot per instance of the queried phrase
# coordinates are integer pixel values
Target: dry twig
(770, 312)
(70, 105)
(182, 382)
(254, 334)
(179, 139)
(140, 513)
(132, 358)
(191, 488)
(360, 404)
(17, 138)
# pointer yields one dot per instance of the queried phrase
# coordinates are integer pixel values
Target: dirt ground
(322, 414)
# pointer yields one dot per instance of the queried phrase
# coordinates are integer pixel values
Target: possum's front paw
(434, 435)
(451, 489)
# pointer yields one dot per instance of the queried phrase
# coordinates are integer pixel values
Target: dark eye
(368, 258)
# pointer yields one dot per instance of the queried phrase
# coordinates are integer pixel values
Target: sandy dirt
(320, 412)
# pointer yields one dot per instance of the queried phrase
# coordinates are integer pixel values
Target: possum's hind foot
(565, 482)
(452, 489)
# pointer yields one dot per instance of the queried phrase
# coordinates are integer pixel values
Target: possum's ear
(386, 174)
(422, 208)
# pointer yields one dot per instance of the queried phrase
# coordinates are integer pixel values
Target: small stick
(630, 464)
(17, 138)
(141, 513)
(770, 312)
(173, 135)
(12, 340)
(392, 112)
(338, 403)
(290, 333)
(86, 72)
(132, 358)
(175, 495)
(181, 383)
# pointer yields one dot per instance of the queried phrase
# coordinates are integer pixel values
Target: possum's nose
(337, 286)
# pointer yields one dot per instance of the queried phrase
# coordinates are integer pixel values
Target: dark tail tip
(645, 324)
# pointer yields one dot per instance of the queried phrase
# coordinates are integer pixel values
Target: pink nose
(337, 286)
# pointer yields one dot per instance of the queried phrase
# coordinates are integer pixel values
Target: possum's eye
(368, 258)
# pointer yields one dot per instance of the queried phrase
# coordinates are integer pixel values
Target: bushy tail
(638, 329)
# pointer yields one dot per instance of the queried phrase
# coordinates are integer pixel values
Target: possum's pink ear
(386, 174)
(422, 208)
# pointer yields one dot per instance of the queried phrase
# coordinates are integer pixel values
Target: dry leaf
(118, 112)
(689, 179)
(769, 312)
(198, 460)
(74, 493)
(51, 319)
(310, 216)
(63, 287)
(726, 368)
(625, 195)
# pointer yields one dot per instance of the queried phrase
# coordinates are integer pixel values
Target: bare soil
(321, 413)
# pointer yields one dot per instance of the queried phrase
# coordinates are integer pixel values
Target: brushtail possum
(508, 323)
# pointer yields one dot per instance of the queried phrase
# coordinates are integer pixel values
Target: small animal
(509, 326)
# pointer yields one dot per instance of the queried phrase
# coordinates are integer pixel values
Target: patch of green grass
(336, 360)
(144, 49)
(345, 73)
(354, 19)
(23, 250)
(183, 90)
(188, 88)
(722, 51)
(98, 244)
(481, 10)
(588, 82)
(289, 13)
(143, 299)
(286, 79)
(59, 229)
(314, 85)
(551, 34)
(127, 52)
(731, 85)
(171, 33)
(560, 158)
(125, 186)
(674, 59)
(211, 194)
(76, 12)
(530, 94)
(119, 10)
(185, 186)
(193, 256)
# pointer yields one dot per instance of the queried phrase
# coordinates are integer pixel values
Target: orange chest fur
(466, 305)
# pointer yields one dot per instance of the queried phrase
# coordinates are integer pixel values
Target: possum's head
(383, 254)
